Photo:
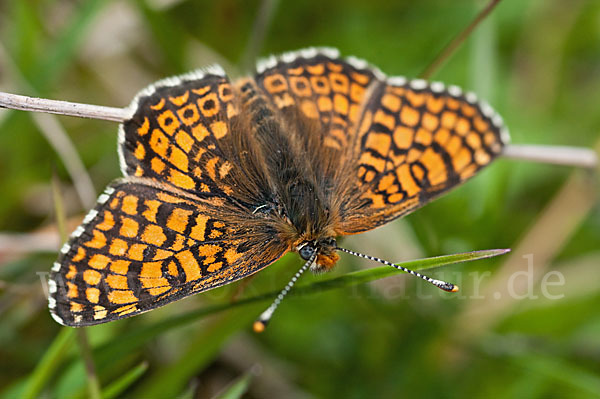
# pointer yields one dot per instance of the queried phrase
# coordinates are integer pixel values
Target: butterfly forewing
(414, 142)
(320, 86)
(176, 131)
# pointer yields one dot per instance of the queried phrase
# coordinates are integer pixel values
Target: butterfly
(223, 178)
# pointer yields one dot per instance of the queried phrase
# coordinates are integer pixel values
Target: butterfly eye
(307, 250)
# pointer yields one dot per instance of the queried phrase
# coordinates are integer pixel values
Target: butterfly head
(326, 250)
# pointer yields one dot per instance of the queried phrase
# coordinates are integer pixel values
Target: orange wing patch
(322, 86)
(171, 133)
(135, 252)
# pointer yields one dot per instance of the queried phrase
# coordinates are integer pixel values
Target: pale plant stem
(25, 103)
(559, 155)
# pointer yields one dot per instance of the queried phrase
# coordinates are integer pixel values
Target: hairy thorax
(299, 200)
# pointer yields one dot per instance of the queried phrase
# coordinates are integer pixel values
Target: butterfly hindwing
(147, 244)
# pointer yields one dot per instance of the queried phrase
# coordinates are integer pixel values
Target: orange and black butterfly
(222, 179)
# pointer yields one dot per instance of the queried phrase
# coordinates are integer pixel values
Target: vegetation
(524, 325)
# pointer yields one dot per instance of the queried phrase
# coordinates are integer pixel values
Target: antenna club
(259, 326)
(448, 287)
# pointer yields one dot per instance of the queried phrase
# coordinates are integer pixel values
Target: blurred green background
(509, 333)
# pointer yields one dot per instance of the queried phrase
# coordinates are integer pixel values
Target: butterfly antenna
(261, 323)
(449, 287)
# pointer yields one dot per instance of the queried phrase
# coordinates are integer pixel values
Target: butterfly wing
(415, 141)
(319, 99)
(175, 226)
(396, 144)
(146, 244)
(188, 131)
(317, 85)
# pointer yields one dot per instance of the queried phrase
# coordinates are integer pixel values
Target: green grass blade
(365, 276)
(132, 340)
(238, 388)
(49, 364)
(203, 348)
(116, 388)
(93, 385)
